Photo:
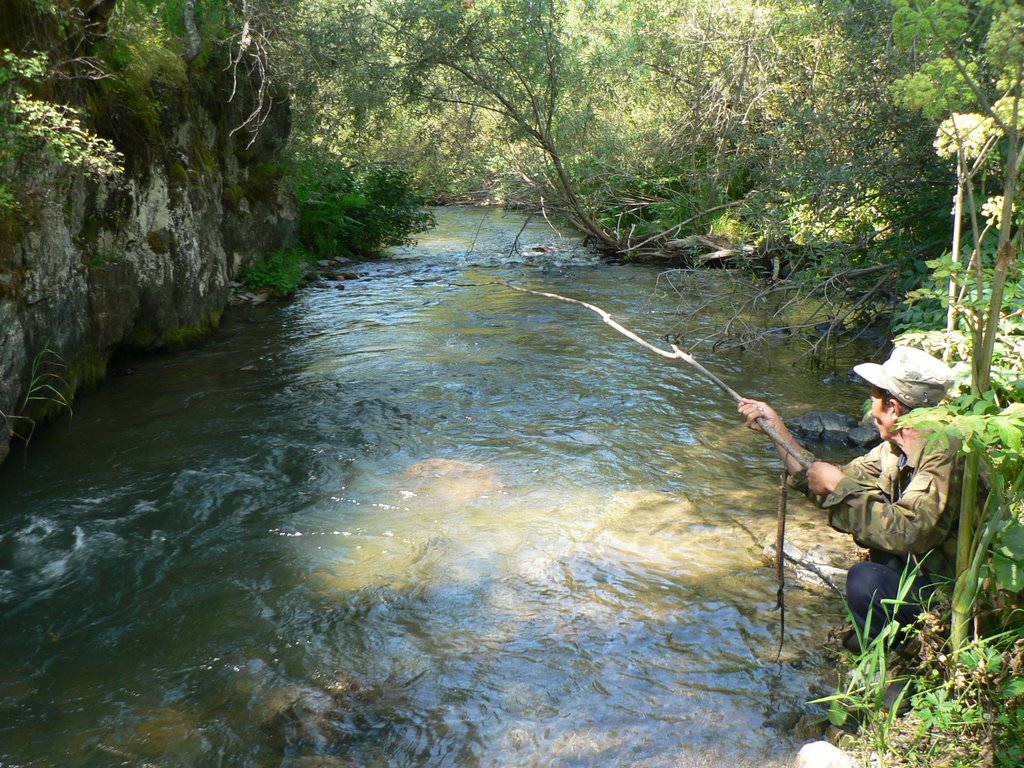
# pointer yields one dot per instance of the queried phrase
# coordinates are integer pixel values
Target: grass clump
(279, 272)
(48, 393)
(910, 701)
(957, 710)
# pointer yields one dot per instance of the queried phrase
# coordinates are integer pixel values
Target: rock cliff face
(141, 261)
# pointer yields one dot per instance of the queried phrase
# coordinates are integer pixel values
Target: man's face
(884, 412)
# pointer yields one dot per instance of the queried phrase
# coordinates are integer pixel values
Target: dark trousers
(871, 584)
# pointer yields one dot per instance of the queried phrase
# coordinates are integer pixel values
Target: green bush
(357, 212)
(280, 272)
(29, 124)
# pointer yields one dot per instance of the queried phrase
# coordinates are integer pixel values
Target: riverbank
(139, 257)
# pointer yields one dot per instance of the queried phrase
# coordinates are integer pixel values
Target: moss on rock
(232, 195)
(186, 335)
(157, 242)
(264, 180)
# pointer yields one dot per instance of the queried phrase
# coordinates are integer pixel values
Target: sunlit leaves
(60, 131)
(972, 56)
(13, 66)
(1004, 45)
(936, 88)
(930, 24)
(1008, 110)
(992, 210)
(30, 124)
(980, 46)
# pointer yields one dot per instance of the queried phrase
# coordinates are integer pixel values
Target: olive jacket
(904, 504)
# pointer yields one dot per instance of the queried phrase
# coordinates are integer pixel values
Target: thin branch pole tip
(675, 354)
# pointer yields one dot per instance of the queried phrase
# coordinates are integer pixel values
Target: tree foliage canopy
(642, 121)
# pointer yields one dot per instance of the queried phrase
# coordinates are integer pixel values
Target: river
(413, 519)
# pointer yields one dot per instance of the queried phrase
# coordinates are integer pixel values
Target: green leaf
(1013, 687)
(836, 714)
(352, 200)
(1013, 411)
(929, 23)
(1009, 573)
(1010, 542)
(1009, 434)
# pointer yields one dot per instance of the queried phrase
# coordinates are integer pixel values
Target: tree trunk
(188, 14)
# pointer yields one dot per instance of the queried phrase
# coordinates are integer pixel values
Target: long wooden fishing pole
(778, 439)
(678, 354)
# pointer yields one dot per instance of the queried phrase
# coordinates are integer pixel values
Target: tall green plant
(995, 435)
(965, 705)
(279, 272)
(973, 72)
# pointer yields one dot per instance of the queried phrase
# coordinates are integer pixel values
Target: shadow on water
(424, 520)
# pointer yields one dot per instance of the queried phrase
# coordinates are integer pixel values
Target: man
(899, 500)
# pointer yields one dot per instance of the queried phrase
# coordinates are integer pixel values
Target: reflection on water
(424, 520)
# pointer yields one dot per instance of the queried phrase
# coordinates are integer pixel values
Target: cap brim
(873, 373)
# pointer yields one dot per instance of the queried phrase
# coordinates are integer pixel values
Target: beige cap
(914, 377)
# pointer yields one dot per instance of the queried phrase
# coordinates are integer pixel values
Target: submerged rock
(449, 479)
(168, 733)
(318, 723)
(813, 566)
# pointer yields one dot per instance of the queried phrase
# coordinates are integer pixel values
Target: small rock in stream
(864, 437)
(823, 426)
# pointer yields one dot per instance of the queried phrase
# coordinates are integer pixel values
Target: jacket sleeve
(866, 469)
(917, 522)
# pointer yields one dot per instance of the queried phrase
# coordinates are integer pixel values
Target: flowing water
(423, 520)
